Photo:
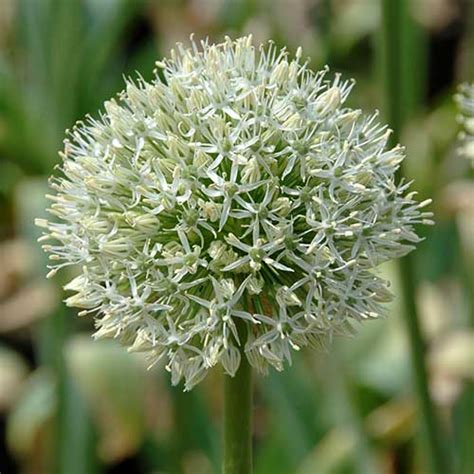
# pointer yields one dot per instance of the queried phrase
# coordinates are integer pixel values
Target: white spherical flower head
(465, 100)
(235, 188)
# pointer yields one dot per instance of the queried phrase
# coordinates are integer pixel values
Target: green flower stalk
(236, 175)
(229, 212)
(465, 101)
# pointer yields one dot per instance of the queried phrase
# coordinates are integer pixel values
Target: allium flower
(235, 186)
(465, 100)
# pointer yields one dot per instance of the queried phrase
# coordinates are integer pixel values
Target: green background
(396, 398)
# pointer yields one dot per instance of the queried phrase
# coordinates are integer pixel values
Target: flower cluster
(465, 100)
(236, 186)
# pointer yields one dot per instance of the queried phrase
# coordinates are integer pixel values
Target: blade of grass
(349, 412)
(73, 439)
(192, 429)
(463, 412)
(322, 20)
(77, 437)
(468, 42)
(403, 83)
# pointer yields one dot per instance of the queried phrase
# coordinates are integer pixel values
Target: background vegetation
(398, 398)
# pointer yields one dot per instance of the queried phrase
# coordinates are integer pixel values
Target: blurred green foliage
(71, 405)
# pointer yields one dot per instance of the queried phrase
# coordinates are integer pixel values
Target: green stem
(238, 414)
(325, 28)
(429, 423)
(403, 90)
